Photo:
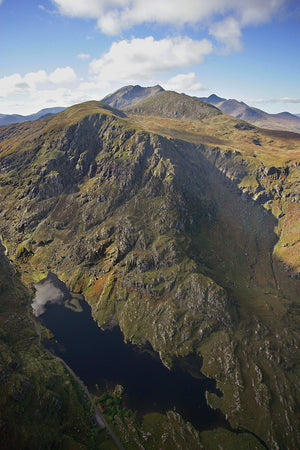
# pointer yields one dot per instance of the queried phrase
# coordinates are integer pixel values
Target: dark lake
(103, 358)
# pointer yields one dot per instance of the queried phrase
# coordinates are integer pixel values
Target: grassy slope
(40, 405)
(146, 232)
(259, 283)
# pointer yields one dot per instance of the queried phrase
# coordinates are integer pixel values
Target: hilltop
(130, 95)
(180, 223)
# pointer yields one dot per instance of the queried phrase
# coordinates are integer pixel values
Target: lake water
(103, 358)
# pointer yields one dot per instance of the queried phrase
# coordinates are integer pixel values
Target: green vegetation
(40, 404)
(24, 249)
(174, 106)
(111, 404)
(166, 431)
(174, 223)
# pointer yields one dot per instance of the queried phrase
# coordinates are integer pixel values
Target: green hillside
(181, 224)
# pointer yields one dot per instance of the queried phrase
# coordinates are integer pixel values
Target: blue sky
(61, 52)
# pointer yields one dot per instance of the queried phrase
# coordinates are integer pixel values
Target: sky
(62, 52)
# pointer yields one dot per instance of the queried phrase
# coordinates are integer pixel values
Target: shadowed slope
(171, 238)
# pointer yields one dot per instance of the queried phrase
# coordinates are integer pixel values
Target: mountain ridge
(182, 242)
(255, 116)
(130, 95)
(170, 104)
(8, 119)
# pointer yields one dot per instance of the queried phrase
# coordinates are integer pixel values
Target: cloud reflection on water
(46, 292)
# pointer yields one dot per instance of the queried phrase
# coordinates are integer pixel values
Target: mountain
(130, 95)
(255, 116)
(34, 384)
(7, 119)
(172, 105)
(181, 224)
(213, 99)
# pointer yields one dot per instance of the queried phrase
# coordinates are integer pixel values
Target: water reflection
(46, 292)
(103, 358)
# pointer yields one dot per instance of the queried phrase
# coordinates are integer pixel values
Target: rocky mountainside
(8, 119)
(181, 224)
(255, 116)
(130, 95)
(172, 105)
(33, 384)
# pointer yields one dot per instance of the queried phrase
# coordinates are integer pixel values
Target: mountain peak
(130, 95)
(172, 105)
(213, 99)
(282, 121)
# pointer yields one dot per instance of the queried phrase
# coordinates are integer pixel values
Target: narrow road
(100, 420)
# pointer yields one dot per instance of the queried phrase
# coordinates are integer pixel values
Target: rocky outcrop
(174, 241)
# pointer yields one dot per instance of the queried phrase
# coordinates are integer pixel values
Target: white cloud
(9, 84)
(62, 75)
(32, 81)
(141, 58)
(277, 100)
(36, 90)
(115, 15)
(228, 32)
(83, 56)
(255, 12)
(126, 62)
(34, 78)
(187, 83)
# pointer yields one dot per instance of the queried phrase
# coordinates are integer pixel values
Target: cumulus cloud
(20, 97)
(140, 58)
(9, 84)
(127, 61)
(35, 80)
(115, 15)
(184, 82)
(45, 293)
(228, 32)
(62, 75)
(83, 56)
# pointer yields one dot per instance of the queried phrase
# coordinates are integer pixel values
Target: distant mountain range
(131, 95)
(8, 119)
(282, 121)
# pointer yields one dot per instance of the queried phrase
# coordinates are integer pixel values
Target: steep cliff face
(189, 246)
(114, 207)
